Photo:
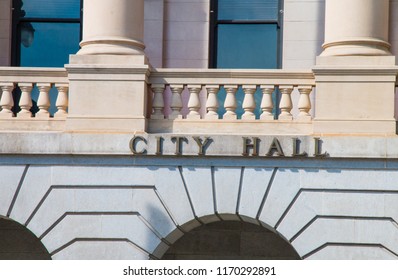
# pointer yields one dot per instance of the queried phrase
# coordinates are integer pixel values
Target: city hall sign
(227, 145)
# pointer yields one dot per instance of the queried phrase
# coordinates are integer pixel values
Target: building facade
(198, 129)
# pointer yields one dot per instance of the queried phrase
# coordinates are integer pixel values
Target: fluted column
(113, 27)
(356, 27)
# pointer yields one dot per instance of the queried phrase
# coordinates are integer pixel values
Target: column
(113, 27)
(356, 27)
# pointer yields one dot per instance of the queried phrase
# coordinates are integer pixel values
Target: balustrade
(263, 97)
(181, 101)
(26, 103)
(20, 84)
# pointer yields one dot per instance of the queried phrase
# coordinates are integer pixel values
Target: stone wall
(99, 207)
(5, 32)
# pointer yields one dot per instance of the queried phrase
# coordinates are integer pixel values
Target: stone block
(199, 185)
(72, 227)
(35, 185)
(102, 176)
(358, 252)
(323, 231)
(100, 250)
(284, 188)
(254, 185)
(10, 178)
(173, 194)
(304, 10)
(304, 209)
(227, 184)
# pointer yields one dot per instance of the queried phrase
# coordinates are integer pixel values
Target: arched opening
(231, 240)
(18, 243)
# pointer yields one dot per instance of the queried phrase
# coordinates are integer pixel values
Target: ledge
(116, 144)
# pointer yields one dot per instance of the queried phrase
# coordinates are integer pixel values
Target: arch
(18, 243)
(228, 239)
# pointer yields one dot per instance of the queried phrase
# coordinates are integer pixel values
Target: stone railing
(186, 101)
(33, 98)
(180, 100)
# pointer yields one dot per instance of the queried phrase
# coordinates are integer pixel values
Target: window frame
(214, 22)
(16, 31)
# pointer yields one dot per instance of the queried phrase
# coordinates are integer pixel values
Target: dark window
(45, 32)
(245, 34)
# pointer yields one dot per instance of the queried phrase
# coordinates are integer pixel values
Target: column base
(355, 95)
(362, 47)
(107, 93)
(111, 46)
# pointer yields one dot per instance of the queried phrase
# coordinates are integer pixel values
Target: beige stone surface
(303, 32)
(153, 31)
(5, 32)
(186, 26)
(355, 93)
(115, 27)
(120, 91)
(360, 29)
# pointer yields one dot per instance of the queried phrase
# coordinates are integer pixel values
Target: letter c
(133, 145)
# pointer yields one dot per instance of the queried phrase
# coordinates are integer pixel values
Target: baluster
(194, 101)
(267, 105)
(26, 100)
(304, 104)
(6, 101)
(158, 102)
(286, 103)
(176, 102)
(44, 101)
(230, 102)
(62, 101)
(212, 102)
(249, 104)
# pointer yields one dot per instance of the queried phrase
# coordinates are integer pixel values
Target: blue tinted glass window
(52, 44)
(246, 35)
(247, 46)
(51, 8)
(248, 9)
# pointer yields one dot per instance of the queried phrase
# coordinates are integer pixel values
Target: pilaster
(356, 73)
(108, 76)
(107, 93)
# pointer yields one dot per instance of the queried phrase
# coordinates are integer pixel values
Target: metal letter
(133, 145)
(318, 148)
(250, 144)
(275, 147)
(159, 145)
(179, 141)
(296, 148)
(203, 145)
